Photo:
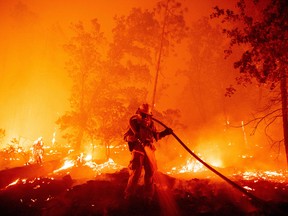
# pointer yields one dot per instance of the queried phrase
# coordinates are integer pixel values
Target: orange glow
(274, 176)
(35, 90)
(108, 167)
(67, 164)
(14, 183)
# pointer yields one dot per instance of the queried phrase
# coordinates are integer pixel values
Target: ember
(67, 164)
(273, 176)
(13, 183)
(192, 165)
(71, 75)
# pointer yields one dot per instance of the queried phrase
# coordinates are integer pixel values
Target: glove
(166, 132)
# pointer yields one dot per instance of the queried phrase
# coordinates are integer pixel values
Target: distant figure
(140, 138)
(38, 150)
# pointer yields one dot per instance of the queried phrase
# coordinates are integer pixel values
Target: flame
(81, 158)
(108, 166)
(189, 166)
(13, 183)
(273, 176)
(88, 157)
(248, 188)
(192, 166)
(67, 164)
(86, 160)
(53, 138)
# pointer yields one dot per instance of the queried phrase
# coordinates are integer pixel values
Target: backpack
(131, 145)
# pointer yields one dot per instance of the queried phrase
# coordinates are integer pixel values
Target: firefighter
(38, 150)
(140, 137)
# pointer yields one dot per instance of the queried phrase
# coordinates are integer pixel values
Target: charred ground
(36, 190)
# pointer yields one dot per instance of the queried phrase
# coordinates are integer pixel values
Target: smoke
(35, 88)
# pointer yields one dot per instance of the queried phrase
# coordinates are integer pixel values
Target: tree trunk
(79, 139)
(159, 56)
(107, 147)
(283, 87)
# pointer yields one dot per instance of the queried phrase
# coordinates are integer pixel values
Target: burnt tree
(261, 29)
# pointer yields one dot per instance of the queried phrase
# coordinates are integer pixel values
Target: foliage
(84, 67)
(110, 82)
(173, 30)
(171, 16)
(137, 39)
(260, 28)
(206, 71)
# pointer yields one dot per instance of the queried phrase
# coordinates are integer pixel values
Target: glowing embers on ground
(106, 167)
(194, 166)
(13, 183)
(87, 161)
(23, 181)
(67, 164)
(191, 165)
(273, 176)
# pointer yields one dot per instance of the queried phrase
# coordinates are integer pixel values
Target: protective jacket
(139, 135)
(140, 138)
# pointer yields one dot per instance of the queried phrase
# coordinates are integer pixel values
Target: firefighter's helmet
(145, 109)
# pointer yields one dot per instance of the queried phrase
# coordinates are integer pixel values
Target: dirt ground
(36, 190)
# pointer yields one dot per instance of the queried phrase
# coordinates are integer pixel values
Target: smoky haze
(35, 88)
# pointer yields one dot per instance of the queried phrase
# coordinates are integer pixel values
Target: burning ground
(84, 187)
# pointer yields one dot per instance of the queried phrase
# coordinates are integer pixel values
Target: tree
(143, 38)
(108, 88)
(173, 29)
(130, 63)
(260, 27)
(84, 68)
(205, 51)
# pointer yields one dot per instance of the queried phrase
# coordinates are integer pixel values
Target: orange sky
(34, 88)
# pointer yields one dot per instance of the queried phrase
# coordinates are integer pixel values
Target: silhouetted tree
(108, 88)
(261, 27)
(207, 71)
(170, 14)
(84, 67)
(143, 38)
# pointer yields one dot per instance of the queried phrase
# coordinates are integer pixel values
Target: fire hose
(257, 201)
